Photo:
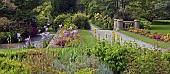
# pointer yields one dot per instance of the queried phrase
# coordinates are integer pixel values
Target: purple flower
(47, 33)
(58, 42)
(63, 43)
(27, 39)
(168, 49)
(65, 31)
(27, 43)
(75, 31)
(46, 29)
(71, 33)
(18, 35)
(66, 34)
(158, 37)
(43, 36)
(60, 36)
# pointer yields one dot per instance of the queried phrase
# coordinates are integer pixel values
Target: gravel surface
(124, 37)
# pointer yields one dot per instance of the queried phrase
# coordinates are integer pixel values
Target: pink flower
(158, 37)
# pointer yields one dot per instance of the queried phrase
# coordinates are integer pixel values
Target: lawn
(160, 26)
(88, 39)
(145, 39)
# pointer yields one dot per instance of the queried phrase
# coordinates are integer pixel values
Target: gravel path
(124, 37)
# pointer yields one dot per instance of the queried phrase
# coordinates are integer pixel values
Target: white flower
(27, 39)
(60, 25)
(45, 26)
(71, 28)
(39, 30)
(18, 35)
(48, 24)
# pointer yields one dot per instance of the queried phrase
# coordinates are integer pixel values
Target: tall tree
(143, 8)
(64, 6)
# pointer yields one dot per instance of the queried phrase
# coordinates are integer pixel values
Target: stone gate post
(137, 24)
(119, 24)
(115, 24)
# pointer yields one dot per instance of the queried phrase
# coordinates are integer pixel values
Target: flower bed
(157, 36)
(67, 37)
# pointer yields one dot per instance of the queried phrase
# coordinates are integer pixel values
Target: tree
(43, 13)
(163, 11)
(63, 6)
(143, 8)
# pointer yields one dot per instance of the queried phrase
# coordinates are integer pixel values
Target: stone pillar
(119, 24)
(115, 24)
(137, 24)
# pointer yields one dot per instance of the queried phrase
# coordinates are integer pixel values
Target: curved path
(124, 37)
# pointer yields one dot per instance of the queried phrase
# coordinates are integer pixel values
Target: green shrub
(116, 56)
(145, 24)
(59, 20)
(86, 71)
(5, 37)
(103, 21)
(13, 67)
(81, 21)
(151, 62)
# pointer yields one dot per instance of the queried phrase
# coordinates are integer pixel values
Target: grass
(160, 26)
(162, 29)
(145, 39)
(88, 39)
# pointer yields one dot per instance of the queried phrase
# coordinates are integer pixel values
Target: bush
(116, 56)
(5, 22)
(59, 20)
(151, 62)
(4, 37)
(13, 67)
(81, 21)
(145, 24)
(103, 21)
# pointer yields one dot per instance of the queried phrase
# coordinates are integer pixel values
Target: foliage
(63, 6)
(150, 62)
(104, 22)
(131, 58)
(163, 9)
(145, 24)
(44, 13)
(81, 21)
(11, 66)
(61, 60)
(85, 71)
(116, 56)
(59, 20)
(142, 8)
(8, 37)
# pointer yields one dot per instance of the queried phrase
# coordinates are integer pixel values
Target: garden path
(124, 37)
